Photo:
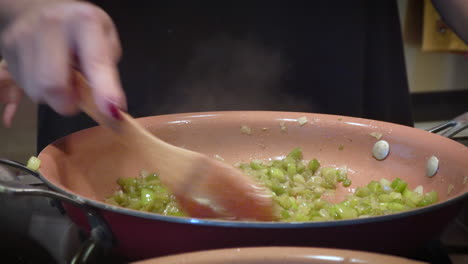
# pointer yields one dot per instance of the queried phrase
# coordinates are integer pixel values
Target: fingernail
(114, 111)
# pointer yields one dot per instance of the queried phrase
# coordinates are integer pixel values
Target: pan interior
(89, 162)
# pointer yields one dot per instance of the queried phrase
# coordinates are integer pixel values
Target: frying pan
(82, 168)
(279, 255)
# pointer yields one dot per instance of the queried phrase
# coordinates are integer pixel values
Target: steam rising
(224, 73)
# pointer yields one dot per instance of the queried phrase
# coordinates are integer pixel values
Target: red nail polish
(114, 111)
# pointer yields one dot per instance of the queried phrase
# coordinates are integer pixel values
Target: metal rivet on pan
(432, 166)
(381, 149)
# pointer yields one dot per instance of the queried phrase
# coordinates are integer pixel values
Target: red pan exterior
(140, 238)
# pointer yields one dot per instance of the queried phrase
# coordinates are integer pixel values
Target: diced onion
(246, 130)
(302, 120)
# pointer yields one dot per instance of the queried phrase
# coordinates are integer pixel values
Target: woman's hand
(10, 94)
(44, 43)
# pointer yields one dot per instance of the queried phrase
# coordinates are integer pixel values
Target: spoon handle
(87, 103)
(127, 128)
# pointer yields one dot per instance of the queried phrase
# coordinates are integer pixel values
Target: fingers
(50, 70)
(10, 94)
(5, 75)
(8, 114)
(98, 52)
(116, 48)
(38, 55)
(45, 45)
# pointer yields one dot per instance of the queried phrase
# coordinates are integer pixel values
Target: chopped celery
(345, 212)
(299, 179)
(296, 154)
(385, 182)
(324, 213)
(396, 207)
(414, 197)
(278, 174)
(429, 198)
(362, 191)
(300, 167)
(294, 204)
(33, 163)
(256, 165)
(296, 186)
(375, 187)
(320, 204)
(147, 196)
(341, 177)
(385, 198)
(347, 182)
(329, 174)
(284, 214)
(291, 169)
(399, 185)
(284, 201)
(318, 219)
(151, 177)
(313, 165)
(278, 189)
(277, 164)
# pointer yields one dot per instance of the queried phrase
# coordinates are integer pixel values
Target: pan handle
(452, 127)
(101, 239)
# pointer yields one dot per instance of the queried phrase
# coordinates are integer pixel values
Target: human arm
(43, 40)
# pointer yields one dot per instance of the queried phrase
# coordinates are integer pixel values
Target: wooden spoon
(204, 187)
